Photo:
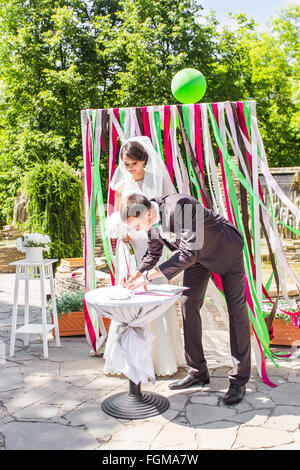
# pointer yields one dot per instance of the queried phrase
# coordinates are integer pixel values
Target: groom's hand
(135, 281)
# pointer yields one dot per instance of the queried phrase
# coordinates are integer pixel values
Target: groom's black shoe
(190, 379)
(234, 394)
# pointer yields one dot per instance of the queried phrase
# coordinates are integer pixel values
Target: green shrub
(284, 317)
(54, 193)
(69, 302)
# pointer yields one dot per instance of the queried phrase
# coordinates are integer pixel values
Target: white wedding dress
(167, 353)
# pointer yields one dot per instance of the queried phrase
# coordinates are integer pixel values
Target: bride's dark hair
(135, 151)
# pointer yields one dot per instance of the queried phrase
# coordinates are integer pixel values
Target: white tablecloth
(132, 351)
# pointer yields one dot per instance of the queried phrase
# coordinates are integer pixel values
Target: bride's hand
(126, 239)
(135, 281)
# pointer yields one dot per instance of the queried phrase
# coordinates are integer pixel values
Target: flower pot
(285, 334)
(71, 324)
(106, 322)
(34, 254)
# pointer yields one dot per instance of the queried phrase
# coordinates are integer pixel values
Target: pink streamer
(146, 123)
(135, 129)
(198, 135)
(281, 255)
(228, 206)
(167, 141)
(263, 362)
(90, 328)
(111, 194)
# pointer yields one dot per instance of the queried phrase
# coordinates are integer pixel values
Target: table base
(135, 404)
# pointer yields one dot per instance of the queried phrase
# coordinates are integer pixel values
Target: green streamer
(237, 172)
(269, 282)
(122, 117)
(99, 194)
(193, 178)
(258, 323)
(158, 126)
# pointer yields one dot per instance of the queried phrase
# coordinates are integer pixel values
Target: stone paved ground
(55, 403)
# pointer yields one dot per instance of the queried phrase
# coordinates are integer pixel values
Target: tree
(273, 57)
(148, 44)
(60, 56)
(49, 71)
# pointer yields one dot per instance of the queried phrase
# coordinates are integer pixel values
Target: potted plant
(71, 320)
(33, 245)
(284, 332)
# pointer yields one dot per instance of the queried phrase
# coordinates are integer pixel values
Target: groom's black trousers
(197, 277)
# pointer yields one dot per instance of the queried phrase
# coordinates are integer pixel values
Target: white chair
(28, 270)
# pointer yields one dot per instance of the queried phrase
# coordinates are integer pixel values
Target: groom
(204, 243)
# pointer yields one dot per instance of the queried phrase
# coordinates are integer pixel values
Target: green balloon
(188, 86)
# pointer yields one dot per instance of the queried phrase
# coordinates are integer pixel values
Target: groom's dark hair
(135, 205)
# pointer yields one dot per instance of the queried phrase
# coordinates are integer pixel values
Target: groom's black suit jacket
(202, 236)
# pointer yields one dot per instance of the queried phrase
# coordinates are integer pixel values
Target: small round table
(134, 313)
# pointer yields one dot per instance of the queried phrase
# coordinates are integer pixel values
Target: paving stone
(205, 400)
(260, 438)
(219, 435)
(240, 407)
(168, 415)
(291, 446)
(174, 434)
(296, 436)
(278, 372)
(6, 419)
(57, 403)
(39, 411)
(41, 368)
(221, 372)
(70, 398)
(288, 393)
(123, 445)
(35, 381)
(78, 381)
(193, 445)
(251, 418)
(294, 375)
(284, 417)
(22, 355)
(23, 399)
(139, 431)
(97, 423)
(106, 382)
(88, 366)
(46, 436)
(178, 402)
(5, 310)
(217, 384)
(2, 413)
(65, 354)
(11, 378)
(198, 415)
(259, 400)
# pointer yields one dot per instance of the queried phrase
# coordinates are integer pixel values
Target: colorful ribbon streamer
(198, 125)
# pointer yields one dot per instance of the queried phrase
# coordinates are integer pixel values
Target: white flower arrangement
(115, 227)
(33, 240)
(169, 236)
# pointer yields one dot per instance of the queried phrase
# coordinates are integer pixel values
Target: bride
(141, 170)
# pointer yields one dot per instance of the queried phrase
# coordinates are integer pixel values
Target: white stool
(28, 270)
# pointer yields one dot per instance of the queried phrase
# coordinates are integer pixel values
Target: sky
(259, 10)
